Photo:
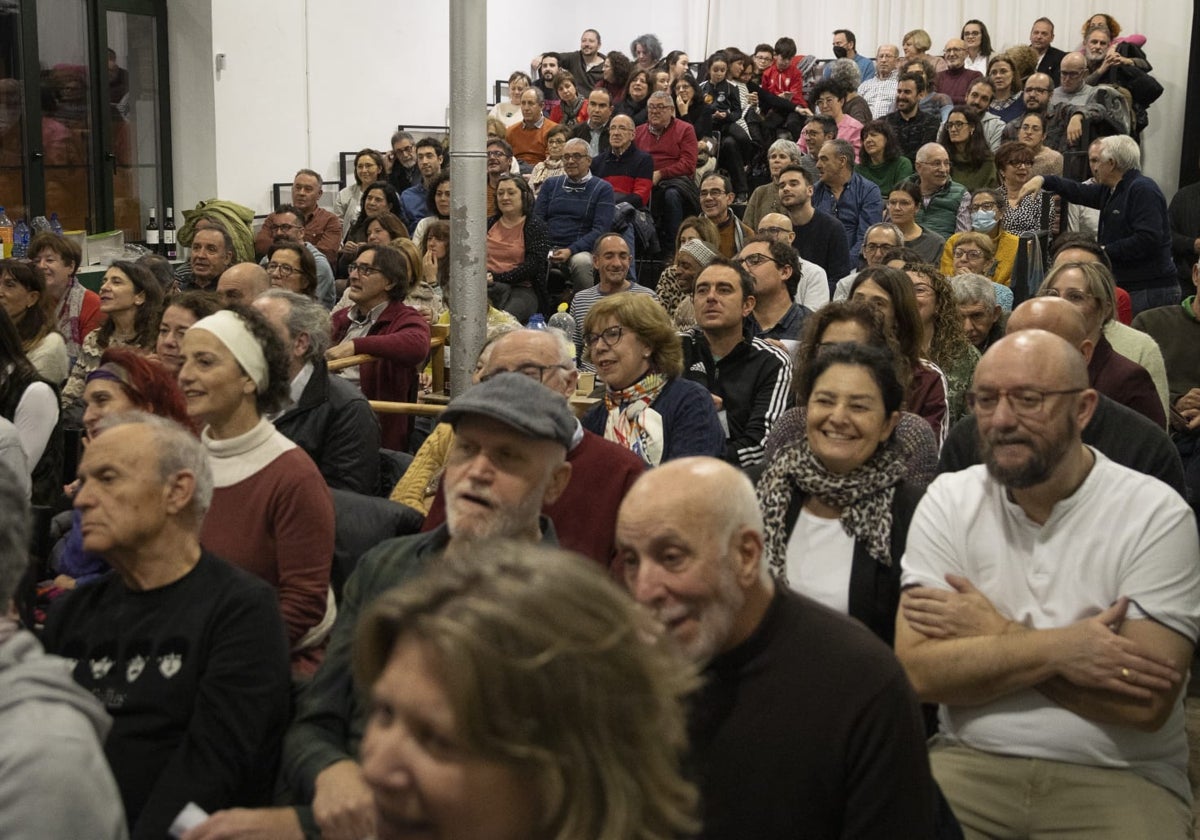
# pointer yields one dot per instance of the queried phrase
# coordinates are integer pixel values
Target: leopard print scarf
(864, 496)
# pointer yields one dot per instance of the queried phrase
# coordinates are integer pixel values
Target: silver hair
(15, 528)
(971, 289)
(401, 135)
(578, 141)
(924, 152)
(844, 150)
(1122, 150)
(563, 344)
(660, 94)
(788, 147)
(846, 73)
(178, 451)
(305, 316)
(541, 97)
(896, 233)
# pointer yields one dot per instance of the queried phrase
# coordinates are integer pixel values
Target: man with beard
(1051, 607)
(817, 235)
(321, 228)
(1117, 431)
(716, 203)
(586, 64)
(507, 460)
(914, 127)
(805, 725)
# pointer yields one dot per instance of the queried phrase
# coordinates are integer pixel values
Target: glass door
(14, 195)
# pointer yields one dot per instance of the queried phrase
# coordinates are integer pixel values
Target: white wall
(307, 80)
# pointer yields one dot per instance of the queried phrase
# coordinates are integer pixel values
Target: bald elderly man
(242, 282)
(805, 725)
(1122, 434)
(1051, 607)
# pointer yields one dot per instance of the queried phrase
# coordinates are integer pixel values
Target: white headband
(235, 335)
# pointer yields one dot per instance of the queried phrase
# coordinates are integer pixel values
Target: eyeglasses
(954, 50)
(712, 193)
(984, 205)
(658, 107)
(1076, 296)
(755, 260)
(280, 269)
(1041, 90)
(531, 370)
(964, 254)
(875, 247)
(365, 269)
(573, 156)
(610, 337)
(953, 124)
(496, 153)
(285, 227)
(1024, 402)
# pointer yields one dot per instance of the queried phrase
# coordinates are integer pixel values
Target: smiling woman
(837, 502)
(271, 512)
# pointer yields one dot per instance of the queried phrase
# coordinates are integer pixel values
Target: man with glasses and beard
(1051, 606)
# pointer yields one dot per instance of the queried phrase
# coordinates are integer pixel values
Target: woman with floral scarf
(648, 408)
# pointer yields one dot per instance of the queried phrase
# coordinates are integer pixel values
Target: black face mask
(840, 52)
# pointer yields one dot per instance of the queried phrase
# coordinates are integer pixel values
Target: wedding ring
(1125, 673)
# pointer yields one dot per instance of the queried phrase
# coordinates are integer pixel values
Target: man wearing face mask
(845, 45)
(987, 217)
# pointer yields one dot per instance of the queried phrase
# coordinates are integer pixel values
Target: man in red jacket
(672, 144)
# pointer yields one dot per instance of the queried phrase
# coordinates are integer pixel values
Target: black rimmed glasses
(754, 260)
(610, 337)
(280, 269)
(364, 269)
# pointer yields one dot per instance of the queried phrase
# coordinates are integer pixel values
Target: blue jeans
(1144, 299)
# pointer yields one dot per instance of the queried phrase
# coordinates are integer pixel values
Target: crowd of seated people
(866, 417)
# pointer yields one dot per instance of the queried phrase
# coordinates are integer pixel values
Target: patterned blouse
(1027, 216)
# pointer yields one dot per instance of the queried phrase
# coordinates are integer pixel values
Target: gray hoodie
(54, 778)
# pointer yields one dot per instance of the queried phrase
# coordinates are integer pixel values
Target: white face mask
(983, 220)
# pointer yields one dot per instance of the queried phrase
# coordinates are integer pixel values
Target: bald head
(718, 492)
(1033, 358)
(243, 282)
(525, 350)
(1052, 314)
(777, 226)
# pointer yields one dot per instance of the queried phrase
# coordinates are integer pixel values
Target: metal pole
(468, 196)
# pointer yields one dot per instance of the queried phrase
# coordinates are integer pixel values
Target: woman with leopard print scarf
(835, 502)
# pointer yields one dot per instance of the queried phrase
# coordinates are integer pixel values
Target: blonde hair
(551, 669)
(645, 317)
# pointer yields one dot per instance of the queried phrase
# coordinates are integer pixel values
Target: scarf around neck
(864, 496)
(632, 423)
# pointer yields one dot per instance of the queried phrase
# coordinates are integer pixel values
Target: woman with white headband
(271, 512)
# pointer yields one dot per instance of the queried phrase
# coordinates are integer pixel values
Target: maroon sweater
(400, 338)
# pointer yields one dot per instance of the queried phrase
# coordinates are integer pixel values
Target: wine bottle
(152, 233)
(168, 234)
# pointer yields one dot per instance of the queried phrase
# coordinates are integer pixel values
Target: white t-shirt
(1122, 533)
(819, 555)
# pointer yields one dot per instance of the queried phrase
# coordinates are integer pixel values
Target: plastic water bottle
(21, 237)
(536, 322)
(6, 234)
(55, 224)
(561, 320)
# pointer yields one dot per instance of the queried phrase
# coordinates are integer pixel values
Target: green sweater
(886, 175)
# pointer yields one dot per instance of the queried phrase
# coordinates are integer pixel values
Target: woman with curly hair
(131, 297)
(646, 50)
(881, 161)
(971, 161)
(271, 511)
(377, 197)
(945, 343)
(535, 685)
(615, 75)
(637, 94)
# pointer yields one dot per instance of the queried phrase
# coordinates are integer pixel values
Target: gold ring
(1125, 673)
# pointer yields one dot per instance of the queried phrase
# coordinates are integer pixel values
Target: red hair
(151, 386)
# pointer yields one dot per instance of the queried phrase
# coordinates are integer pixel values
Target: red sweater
(585, 515)
(674, 151)
(400, 338)
(276, 523)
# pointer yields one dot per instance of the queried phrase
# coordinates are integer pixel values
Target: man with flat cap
(508, 459)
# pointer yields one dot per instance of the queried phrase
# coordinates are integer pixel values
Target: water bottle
(55, 224)
(562, 321)
(21, 237)
(6, 234)
(537, 322)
